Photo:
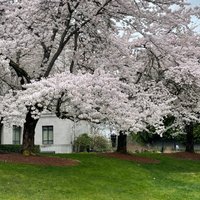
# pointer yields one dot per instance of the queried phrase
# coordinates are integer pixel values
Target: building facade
(51, 133)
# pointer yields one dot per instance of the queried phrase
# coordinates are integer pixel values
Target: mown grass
(101, 178)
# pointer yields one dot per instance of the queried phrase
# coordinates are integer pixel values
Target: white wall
(64, 133)
(62, 148)
(7, 135)
(62, 130)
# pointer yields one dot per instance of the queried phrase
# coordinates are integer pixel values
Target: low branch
(19, 71)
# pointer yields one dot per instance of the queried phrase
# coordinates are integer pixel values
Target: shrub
(83, 143)
(100, 143)
(9, 148)
(95, 142)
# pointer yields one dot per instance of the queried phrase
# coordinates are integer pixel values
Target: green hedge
(9, 148)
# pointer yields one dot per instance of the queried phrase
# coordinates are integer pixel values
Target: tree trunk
(189, 138)
(1, 126)
(113, 138)
(28, 135)
(122, 143)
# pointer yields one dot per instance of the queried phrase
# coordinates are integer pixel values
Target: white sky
(196, 22)
(194, 2)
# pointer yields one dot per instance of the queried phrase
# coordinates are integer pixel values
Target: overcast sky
(196, 22)
(194, 2)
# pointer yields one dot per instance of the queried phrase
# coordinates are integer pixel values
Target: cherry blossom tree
(46, 31)
(166, 53)
(129, 39)
(171, 57)
(182, 79)
(87, 96)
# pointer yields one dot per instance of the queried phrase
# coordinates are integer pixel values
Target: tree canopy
(131, 63)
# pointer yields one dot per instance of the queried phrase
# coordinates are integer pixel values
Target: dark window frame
(17, 132)
(49, 130)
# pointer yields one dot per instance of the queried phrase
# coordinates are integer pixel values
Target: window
(17, 134)
(47, 135)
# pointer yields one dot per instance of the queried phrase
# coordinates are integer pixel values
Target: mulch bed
(131, 157)
(54, 161)
(184, 155)
(36, 160)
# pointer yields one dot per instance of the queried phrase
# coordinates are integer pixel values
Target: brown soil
(131, 157)
(185, 155)
(54, 161)
(37, 160)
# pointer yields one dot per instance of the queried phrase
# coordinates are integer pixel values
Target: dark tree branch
(75, 49)
(58, 105)
(19, 71)
(64, 40)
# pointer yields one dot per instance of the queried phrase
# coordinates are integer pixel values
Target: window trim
(16, 139)
(48, 141)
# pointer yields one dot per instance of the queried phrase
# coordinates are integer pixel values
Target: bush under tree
(97, 143)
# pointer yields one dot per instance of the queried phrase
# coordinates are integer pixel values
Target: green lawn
(99, 178)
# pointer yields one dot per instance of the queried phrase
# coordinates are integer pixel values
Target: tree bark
(122, 143)
(189, 137)
(1, 126)
(28, 135)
